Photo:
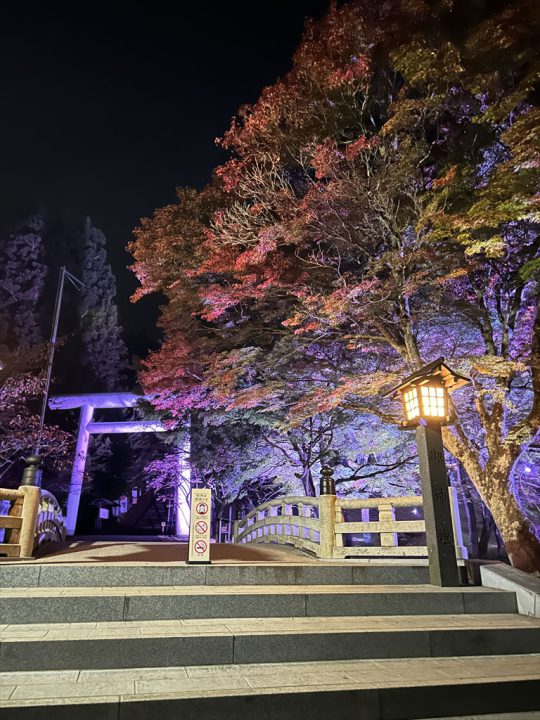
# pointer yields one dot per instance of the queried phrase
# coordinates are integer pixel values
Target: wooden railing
(318, 525)
(33, 518)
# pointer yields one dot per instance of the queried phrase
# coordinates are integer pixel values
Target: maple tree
(378, 211)
(21, 388)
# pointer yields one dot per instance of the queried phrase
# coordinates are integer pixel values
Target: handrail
(318, 525)
(401, 501)
(7, 494)
(289, 500)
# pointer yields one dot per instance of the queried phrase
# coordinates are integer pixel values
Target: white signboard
(199, 526)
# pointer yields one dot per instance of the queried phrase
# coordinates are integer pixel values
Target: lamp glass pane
(412, 408)
(433, 401)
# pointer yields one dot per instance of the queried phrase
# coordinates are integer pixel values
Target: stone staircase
(325, 640)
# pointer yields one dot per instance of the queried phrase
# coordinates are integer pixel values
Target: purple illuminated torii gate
(87, 426)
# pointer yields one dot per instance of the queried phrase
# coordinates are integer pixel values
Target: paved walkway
(148, 551)
(94, 686)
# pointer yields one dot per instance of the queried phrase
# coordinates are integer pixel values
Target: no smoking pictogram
(200, 547)
(199, 526)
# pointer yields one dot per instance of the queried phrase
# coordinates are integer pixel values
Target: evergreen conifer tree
(103, 350)
(22, 277)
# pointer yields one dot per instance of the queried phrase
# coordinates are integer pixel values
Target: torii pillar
(87, 427)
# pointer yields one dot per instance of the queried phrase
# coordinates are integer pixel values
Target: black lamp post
(32, 471)
(424, 395)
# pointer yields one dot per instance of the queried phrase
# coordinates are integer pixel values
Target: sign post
(199, 526)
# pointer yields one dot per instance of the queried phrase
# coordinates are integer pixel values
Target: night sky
(106, 108)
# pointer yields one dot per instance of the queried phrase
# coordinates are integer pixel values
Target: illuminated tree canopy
(378, 210)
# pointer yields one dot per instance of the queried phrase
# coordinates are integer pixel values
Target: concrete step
(259, 640)
(330, 690)
(84, 604)
(52, 574)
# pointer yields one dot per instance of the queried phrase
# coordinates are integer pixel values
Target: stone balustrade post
(338, 539)
(327, 515)
(273, 512)
(305, 511)
(286, 510)
(388, 514)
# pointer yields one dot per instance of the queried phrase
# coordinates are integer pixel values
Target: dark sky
(105, 108)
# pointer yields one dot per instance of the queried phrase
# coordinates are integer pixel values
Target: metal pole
(52, 348)
(443, 568)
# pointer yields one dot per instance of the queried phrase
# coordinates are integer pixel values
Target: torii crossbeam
(87, 427)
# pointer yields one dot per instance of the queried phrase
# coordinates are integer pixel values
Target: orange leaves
(324, 158)
(258, 254)
(360, 145)
(230, 174)
(446, 179)
(357, 71)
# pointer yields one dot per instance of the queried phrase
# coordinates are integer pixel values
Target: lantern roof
(437, 369)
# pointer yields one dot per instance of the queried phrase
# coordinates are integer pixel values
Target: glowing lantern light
(425, 394)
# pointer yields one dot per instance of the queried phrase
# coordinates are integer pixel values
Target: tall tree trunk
(521, 543)
(307, 482)
(520, 540)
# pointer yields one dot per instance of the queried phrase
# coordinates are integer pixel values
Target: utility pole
(77, 284)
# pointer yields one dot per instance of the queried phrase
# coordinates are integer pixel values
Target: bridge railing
(319, 525)
(288, 520)
(50, 526)
(30, 517)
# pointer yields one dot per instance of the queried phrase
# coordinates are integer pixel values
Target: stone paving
(237, 589)
(124, 550)
(222, 680)
(126, 663)
(260, 626)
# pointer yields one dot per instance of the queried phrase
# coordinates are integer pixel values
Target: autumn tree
(377, 212)
(21, 389)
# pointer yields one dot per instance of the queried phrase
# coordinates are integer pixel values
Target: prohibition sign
(201, 508)
(200, 547)
(201, 527)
